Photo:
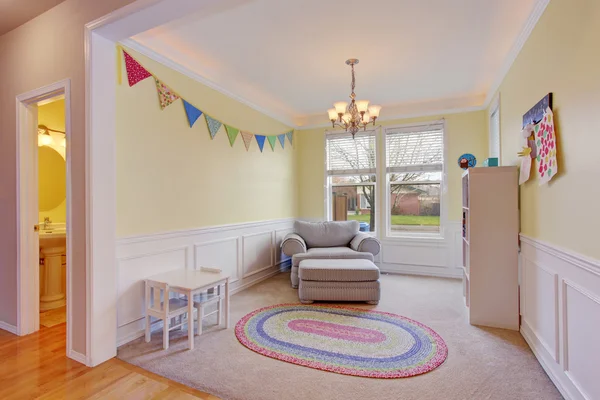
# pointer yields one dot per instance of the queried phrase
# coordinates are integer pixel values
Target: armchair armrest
(293, 244)
(366, 243)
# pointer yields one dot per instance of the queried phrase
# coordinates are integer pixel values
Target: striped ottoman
(338, 280)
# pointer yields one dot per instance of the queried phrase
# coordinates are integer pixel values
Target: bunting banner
(231, 134)
(272, 140)
(135, 71)
(213, 125)
(260, 139)
(167, 96)
(192, 112)
(247, 137)
(281, 140)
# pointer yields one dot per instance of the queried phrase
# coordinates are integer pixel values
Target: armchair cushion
(293, 244)
(327, 234)
(366, 243)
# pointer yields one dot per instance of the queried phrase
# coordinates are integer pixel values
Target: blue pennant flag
(282, 140)
(290, 136)
(260, 139)
(192, 113)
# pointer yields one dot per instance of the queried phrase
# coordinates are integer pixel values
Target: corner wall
(561, 56)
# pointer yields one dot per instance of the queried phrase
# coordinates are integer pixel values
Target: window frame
(386, 196)
(328, 186)
(495, 109)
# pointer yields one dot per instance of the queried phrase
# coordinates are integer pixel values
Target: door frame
(28, 288)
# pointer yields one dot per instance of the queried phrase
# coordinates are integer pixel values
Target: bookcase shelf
(490, 227)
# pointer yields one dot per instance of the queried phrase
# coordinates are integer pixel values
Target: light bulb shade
(63, 142)
(347, 117)
(374, 111)
(362, 105)
(340, 107)
(44, 139)
(333, 115)
(366, 118)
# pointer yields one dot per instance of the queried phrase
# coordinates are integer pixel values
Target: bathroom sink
(53, 236)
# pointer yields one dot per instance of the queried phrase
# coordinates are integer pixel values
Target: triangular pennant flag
(135, 72)
(166, 95)
(192, 113)
(290, 136)
(213, 125)
(260, 139)
(272, 140)
(247, 137)
(232, 134)
(281, 140)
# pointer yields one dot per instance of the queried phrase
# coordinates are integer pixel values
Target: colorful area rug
(344, 340)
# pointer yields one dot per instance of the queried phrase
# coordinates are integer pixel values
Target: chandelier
(356, 115)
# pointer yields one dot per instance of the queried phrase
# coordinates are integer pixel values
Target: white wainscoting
(424, 256)
(249, 252)
(560, 316)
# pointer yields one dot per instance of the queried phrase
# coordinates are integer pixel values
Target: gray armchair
(337, 240)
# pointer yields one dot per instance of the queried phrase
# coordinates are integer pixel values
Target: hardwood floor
(36, 367)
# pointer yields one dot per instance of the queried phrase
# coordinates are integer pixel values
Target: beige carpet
(482, 363)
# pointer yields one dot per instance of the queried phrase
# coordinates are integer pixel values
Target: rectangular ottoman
(338, 280)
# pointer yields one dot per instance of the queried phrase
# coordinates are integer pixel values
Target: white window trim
(495, 108)
(328, 187)
(383, 176)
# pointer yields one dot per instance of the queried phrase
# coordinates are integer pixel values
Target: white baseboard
(8, 327)
(560, 315)
(546, 363)
(80, 358)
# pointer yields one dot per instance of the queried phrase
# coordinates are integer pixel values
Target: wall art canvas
(545, 140)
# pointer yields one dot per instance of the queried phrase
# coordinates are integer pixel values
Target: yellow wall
(465, 133)
(171, 177)
(53, 116)
(562, 57)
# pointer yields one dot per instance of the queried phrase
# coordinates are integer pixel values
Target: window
(351, 178)
(414, 168)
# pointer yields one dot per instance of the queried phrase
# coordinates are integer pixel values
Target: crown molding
(516, 48)
(167, 62)
(411, 110)
(393, 112)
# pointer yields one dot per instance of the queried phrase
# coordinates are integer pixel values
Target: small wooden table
(190, 282)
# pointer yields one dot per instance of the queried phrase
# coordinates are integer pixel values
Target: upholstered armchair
(336, 240)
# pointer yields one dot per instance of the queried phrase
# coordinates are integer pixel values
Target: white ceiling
(14, 13)
(287, 57)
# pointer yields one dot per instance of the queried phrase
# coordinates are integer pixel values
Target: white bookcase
(490, 237)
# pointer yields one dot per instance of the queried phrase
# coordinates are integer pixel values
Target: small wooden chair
(164, 309)
(211, 296)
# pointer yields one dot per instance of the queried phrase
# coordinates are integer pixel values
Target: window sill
(414, 237)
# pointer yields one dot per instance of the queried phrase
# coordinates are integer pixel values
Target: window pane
(415, 202)
(418, 148)
(355, 201)
(348, 155)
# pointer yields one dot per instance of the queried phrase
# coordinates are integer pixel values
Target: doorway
(44, 210)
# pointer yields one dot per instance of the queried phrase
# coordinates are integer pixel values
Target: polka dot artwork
(545, 140)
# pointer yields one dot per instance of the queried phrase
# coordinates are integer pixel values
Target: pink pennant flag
(247, 136)
(135, 72)
(166, 95)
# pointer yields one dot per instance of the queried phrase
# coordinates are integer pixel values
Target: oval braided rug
(344, 340)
